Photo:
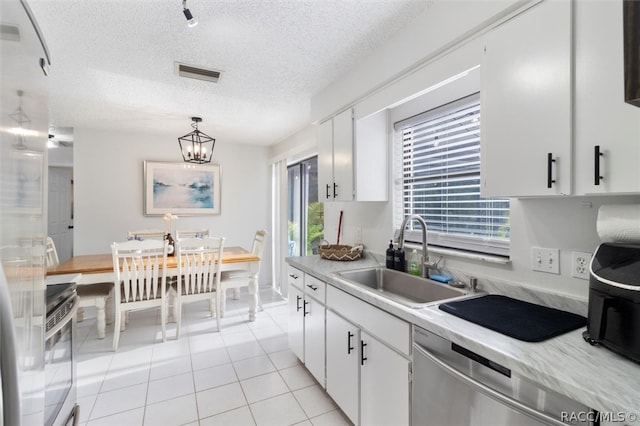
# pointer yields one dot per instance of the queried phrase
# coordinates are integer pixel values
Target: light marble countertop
(591, 375)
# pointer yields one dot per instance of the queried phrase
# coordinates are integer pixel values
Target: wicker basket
(340, 252)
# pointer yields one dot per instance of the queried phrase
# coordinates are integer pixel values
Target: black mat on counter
(515, 318)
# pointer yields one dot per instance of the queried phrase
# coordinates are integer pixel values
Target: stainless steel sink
(409, 290)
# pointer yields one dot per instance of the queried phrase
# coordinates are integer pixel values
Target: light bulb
(191, 21)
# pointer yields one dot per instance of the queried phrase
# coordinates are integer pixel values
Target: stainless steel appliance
(454, 386)
(60, 406)
(614, 299)
(24, 123)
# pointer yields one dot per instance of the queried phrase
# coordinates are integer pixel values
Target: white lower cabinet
(296, 322)
(307, 322)
(359, 353)
(314, 352)
(367, 377)
(384, 384)
(343, 373)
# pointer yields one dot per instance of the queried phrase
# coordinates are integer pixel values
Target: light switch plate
(545, 260)
(358, 238)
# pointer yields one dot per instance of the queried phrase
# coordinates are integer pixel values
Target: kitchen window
(441, 180)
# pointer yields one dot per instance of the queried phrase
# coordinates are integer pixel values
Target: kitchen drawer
(295, 277)
(386, 327)
(315, 288)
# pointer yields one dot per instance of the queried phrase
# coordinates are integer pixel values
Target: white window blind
(441, 180)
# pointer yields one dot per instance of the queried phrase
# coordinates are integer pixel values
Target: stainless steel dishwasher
(454, 386)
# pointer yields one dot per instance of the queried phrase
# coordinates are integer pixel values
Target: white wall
(61, 156)
(108, 176)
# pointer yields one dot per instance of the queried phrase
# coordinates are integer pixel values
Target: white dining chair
(96, 295)
(192, 233)
(199, 262)
(237, 279)
(51, 254)
(146, 234)
(140, 281)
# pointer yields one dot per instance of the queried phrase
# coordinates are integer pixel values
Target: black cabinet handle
(349, 337)
(596, 165)
(328, 190)
(312, 287)
(70, 227)
(298, 299)
(335, 193)
(362, 357)
(295, 277)
(44, 67)
(550, 161)
(304, 308)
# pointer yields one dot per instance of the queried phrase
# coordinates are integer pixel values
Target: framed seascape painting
(181, 188)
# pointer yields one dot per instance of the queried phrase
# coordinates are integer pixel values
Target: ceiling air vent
(189, 71)
(9, 32)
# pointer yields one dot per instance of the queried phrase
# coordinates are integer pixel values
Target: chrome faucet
(425, 253)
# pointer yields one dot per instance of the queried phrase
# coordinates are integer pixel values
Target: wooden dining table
(98, 268)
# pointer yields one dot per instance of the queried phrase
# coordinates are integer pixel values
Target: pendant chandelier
(196, 147)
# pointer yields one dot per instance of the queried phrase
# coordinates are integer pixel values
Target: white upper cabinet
(526, 103)
(335, 158)
(352, 166)
(605, 124)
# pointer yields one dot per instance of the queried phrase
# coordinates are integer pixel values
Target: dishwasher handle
(516, 405)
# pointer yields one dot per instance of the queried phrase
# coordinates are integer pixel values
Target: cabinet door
(603, 119)
(343, 156)
(343, 364)
(526, 103)
(384, 384)
(314, 339)
(296, 322)
(325, 161)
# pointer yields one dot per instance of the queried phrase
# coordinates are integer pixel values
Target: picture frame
(181, 188)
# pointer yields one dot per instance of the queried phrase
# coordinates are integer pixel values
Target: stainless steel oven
(60, 357)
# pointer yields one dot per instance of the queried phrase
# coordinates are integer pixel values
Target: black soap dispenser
(398, 260)
(391, 254)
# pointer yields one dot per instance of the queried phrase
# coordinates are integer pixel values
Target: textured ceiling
(113, 61)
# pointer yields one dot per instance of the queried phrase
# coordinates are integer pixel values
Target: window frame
(450, 241)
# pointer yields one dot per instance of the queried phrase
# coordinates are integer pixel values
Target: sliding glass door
(305, 212)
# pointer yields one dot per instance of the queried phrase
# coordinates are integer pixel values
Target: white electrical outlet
(545, 260)
(580, 264)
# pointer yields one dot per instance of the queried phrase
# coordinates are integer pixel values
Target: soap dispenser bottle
(414, 263)
(398, 260)
(390, 255)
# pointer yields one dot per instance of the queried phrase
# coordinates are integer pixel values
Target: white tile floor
(243, 375)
